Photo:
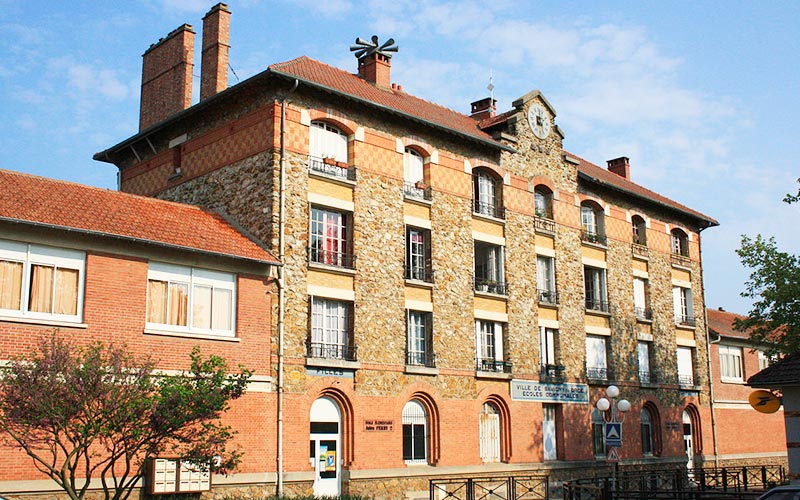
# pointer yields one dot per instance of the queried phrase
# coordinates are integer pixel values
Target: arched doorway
(325, 446)
(690, 435)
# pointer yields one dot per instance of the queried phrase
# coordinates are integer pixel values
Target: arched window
(680, 243)
(543, 201)
(639, 230)
(415, 433)
(487, 193)
(490, 433)
(592, 223)
(598, 436)
(413, 166)
(327, 150)
(650, 424)
(692, 434)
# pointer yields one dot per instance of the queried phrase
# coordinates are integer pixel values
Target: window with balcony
(414, 185)
(646, 376)
(489, 340)
(594, 280)
(543, 201)
(593, 223)
(680, 243)
(331, 330)
(551, 369)
(546, 280)
(730, 364)
(327, 151)
(685, 366)
(596, 358)
(682, 303)
(40, 282)
(415, 433)
(639, 230)
(330, 238)
(418, 255)
(489, 268)
(641, 299)
(419, 345)
(487, 193)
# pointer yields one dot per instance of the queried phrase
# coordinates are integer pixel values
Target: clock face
(539, 121)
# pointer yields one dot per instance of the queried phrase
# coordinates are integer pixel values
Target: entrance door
(549, 431)
(688, 439)
(325, 447)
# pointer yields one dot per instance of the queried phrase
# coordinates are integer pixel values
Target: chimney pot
(620, 166)
(483, 108)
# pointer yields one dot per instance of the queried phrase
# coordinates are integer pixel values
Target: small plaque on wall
(378, 425)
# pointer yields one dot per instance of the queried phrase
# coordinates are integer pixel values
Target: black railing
(339, 259)
(683, 320)
(490, 286)
(685, 380)
(417, 190)
(639, 249)
(647, 377)
(594, 238)
(332, 351)
(597, 373)
(489, 208)
(333, 168)
(544, 224)
(597, 305)
(494, 365)
(495, 488)
(644, 313)
(552, 373)
(427, 359)
(419, 273)
(547, 297)
(681, 260)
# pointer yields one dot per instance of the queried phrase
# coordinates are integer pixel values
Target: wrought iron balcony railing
(489, 208)
(339, 259)
(647, 377)
(544, 224)
(417, 190)
(597, 305)
(685, 320)
(549, 297)
(419, 273)
(685, 380)
(324, 350)
(597, 373)
(644, 313)
(552, 373)
(490, 286)
(333, 168)
(681, 260)
(640, 250)
(494, 365)
(595, 238)
(426, 359)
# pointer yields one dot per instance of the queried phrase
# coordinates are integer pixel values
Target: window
(598, 434)
(641, 299)
(487, 193)
(643, 355)
(419, 343)
(489, 346)
(592, 223)
(546, 280)
(548, 354)
(682, 303)
(418, 255)
(764, 360)
(489, 268)
(331, 330)
(330, 238)
(40, 282)
(595, 288)
(549, 432)
(730, 363)
(685, 366)
(187, 299)
(543, 202)
(596, 358)
(639, 230)
(680, 242)
(415, 433)
(327, 141)
(646, 425)
(490, 433)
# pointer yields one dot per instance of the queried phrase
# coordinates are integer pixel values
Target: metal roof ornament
(364, 48)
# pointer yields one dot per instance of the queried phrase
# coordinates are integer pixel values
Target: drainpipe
(281, 292)
(708, 354)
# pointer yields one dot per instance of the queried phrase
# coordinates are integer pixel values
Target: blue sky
(702, 96)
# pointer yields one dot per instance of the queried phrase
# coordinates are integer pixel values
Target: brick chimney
(485, 108)
(376, 68)
(167, 77)
(620, 166)
(216, 44)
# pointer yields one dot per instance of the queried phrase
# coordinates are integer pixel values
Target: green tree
(774, 320)
(99, 412)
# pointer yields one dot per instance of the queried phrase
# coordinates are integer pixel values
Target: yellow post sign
(764, 401)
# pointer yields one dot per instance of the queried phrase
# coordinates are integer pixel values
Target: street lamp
(613, 412)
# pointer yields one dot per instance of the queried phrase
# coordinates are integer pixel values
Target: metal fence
(491, 488)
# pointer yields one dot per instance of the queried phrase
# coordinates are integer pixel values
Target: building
(733, 360)
(92, 265)
(444, 275)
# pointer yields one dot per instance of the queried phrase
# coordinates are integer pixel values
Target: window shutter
(498, 341)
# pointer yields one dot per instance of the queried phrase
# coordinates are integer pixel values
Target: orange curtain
(178, 303)
(66, 291)
(157, 302)
(41, 299)
(10, 284)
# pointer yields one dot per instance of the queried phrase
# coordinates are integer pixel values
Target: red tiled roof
(315, 72)
(603, 176)
(42, 201)
(721, 323)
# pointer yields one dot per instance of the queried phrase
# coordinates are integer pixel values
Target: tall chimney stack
(216, 44)
(167, 77)
(620, 166)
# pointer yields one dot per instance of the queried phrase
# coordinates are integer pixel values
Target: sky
(702, 96)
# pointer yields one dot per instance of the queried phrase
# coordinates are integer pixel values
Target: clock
(539, 121)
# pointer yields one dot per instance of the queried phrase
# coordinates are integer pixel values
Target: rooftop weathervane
(364, 48)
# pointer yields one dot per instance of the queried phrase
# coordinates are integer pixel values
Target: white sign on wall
(530, 390)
